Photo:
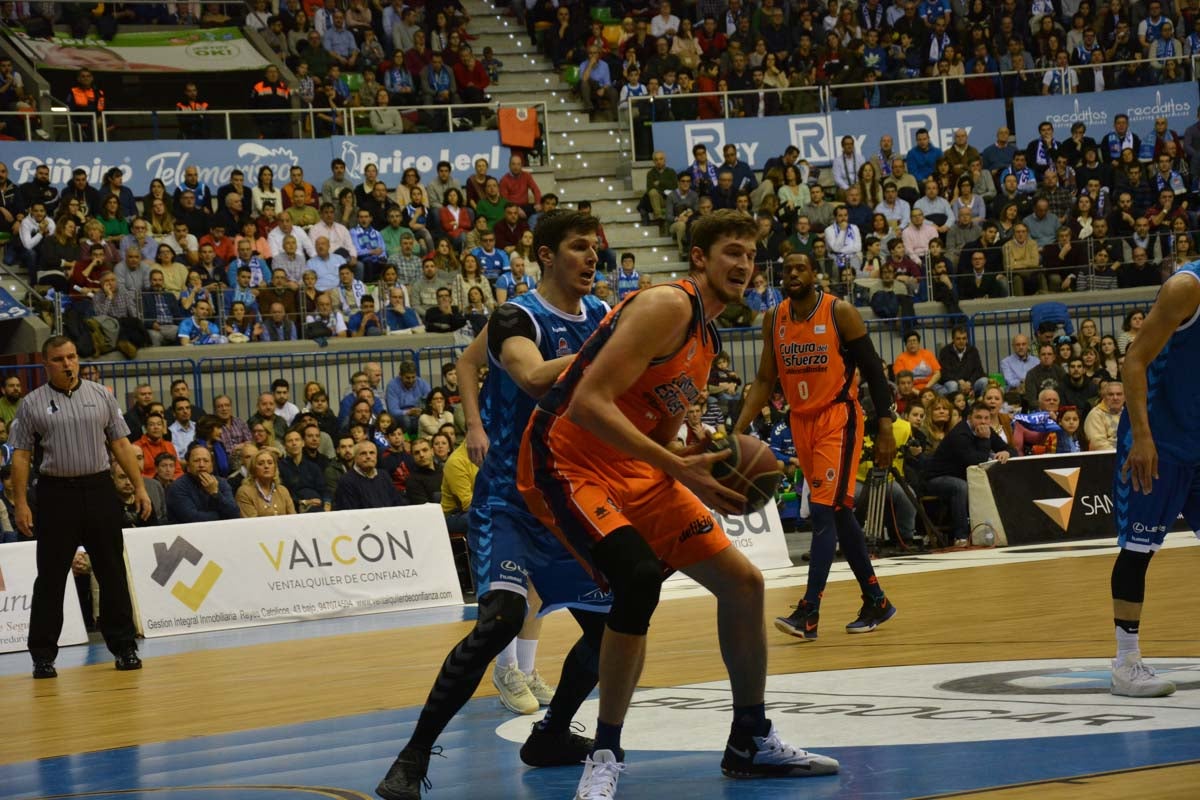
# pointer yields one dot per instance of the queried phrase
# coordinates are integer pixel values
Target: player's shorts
(828, 447)
(510, 549)
(1143, 520)
(583, 494)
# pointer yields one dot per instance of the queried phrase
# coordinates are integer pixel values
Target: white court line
(935, 562)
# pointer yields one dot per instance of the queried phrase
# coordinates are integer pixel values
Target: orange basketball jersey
(812, 364)
(664, 390)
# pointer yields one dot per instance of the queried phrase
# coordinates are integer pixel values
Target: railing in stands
(301, 123)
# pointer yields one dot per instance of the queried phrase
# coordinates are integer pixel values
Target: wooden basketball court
(101, 732)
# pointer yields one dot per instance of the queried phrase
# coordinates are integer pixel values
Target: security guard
(71, 421)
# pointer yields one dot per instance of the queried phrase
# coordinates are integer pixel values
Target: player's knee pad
(635, 575)
(501, 615)
(1129, 576)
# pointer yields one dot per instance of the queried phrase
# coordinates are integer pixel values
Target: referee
(70, 420)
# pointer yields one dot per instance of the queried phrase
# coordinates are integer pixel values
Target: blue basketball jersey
(1173, 384)
(505, 408)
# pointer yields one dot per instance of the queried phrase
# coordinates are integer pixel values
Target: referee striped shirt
(73, 428)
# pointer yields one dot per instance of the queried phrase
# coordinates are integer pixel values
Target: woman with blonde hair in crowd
(1089, 334)
(261, 494)
(937, 421)
(263, 436)
(162, 221)
(993, 396)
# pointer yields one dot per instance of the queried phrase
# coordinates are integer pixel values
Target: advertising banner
(1097, 110)
(1047, 498)
(759, 139)
(244, 572)
(18, 568)
(209, 50)
(758, 535)
(166, 159)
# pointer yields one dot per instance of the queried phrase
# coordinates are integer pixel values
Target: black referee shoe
(128, 660)
(44, 669)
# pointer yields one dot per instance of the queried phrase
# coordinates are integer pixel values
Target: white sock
(507, 656)
(1126, 642)
(526, 654)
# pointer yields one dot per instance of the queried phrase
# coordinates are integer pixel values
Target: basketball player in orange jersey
(594, 468)
(812, 342)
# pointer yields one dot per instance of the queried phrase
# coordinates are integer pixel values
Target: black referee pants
(72, 512)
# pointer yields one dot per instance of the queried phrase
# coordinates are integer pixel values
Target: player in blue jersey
(1158, 462)
(527, 342)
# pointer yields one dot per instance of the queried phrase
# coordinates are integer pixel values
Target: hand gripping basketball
(750, 469)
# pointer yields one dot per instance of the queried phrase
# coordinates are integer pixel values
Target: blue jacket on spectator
(399, 399)
(188, 502)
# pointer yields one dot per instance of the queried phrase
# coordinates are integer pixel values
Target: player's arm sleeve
(862, 352)
(509, 320)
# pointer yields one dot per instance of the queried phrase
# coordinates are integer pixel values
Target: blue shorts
(510, 549)
(1143, 520)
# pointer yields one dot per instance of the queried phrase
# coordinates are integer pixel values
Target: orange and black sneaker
(872, 614)
(802, 623)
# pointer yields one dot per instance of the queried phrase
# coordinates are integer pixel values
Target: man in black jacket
(364, 486)
(968, 443)
(425, 481)
(962, 367)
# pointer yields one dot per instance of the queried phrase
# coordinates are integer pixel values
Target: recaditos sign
(18, 568)
(245, 572)
(1178, 102)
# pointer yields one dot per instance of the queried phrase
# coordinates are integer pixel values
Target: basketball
(751, 469)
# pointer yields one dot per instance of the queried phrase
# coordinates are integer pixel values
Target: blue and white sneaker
(872, 614)
(771, 757)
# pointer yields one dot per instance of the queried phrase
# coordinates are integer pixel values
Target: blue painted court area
(345, 757)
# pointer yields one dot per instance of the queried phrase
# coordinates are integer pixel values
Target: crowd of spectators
(384, 442)
(887, 229)
(382, 57)
(256, 261)
(869, 54)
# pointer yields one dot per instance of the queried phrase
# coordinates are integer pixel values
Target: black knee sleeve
(635, 576)
(501, 615)
(1129, 576)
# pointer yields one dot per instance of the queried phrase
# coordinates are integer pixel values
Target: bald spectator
(363, 485)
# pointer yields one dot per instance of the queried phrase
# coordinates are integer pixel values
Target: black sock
(854, 548)
(576, 682)
(824, 546)
(608, 737)
(1128, 625)
(749, 721)
(457, 680)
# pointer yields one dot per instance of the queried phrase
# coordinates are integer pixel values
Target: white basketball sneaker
(771, 757)
(600, 773)
(514, 690)
(541, 691)
(1133, 678)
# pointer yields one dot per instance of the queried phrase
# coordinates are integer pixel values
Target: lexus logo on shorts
(512, 566)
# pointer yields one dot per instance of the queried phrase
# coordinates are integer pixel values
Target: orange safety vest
(87, 99)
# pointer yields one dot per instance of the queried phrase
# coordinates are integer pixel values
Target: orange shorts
(828, 446)
(571, 482)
